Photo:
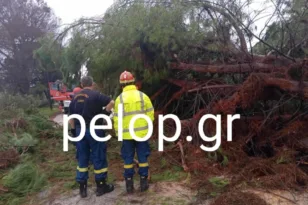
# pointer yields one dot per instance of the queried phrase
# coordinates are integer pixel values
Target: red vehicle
(59, 93)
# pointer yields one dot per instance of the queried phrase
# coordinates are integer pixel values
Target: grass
(46, 111)
(218, 182)
(218, 185)
(175, 174)
(40, 166)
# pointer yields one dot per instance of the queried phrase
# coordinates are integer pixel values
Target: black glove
(105, 112)
(73, 134)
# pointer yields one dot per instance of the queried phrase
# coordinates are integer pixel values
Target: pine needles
(24, 179)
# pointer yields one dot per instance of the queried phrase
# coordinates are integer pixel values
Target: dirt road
(159, 193)
(58, 119)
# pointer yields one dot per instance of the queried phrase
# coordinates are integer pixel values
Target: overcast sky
(70, 10)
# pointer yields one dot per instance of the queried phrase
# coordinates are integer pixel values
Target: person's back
(134, 102)
(89, 103)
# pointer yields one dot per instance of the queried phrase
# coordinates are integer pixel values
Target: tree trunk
(238, 68)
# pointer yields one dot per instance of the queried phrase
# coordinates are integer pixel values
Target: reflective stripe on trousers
(97, 150)
(129, 147)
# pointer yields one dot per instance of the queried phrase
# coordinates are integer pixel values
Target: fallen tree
(237, 68)
(273, 109)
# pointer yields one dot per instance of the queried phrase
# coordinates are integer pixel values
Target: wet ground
(58, 119)
(159, 193)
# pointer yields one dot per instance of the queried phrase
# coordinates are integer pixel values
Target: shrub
(218, 182)
(13, 105)
(24, 179)
(40, 122)
(23, 142)
(42, 127)
(27, 103)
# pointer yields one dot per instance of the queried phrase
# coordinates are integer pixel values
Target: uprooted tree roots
(270, 142)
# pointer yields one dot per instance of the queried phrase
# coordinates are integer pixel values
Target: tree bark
(237, 68)
(252, 90)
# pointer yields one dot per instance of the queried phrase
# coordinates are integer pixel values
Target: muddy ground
(159, 193)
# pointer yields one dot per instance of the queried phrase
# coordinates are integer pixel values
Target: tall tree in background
(74, 57)
(22, 23)
(289, 32)
(49, 61)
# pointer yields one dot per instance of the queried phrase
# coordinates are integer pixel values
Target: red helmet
(76, 90)
(126, 77)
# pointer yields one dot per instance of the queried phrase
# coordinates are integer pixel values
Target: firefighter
(89, 103)
(134, 102)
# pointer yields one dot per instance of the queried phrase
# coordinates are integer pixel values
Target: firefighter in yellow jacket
(134, 102)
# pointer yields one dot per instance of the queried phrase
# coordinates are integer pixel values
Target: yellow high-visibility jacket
(134, 102)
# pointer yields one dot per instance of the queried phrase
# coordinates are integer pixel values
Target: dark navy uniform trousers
(129, 147)
(88, 148)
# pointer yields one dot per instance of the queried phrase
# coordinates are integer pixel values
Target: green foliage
(144, 38)
(71, 185)
(284, 160)
(24, 179)
(61, 63)
(42, 127)
(169, 175)
(22, 126)
(5, 142)
(219, 156)
(49, 54)
(218, 182)
(24, 140)
(14, 105)
(47, 112)
(74, 56)
(217, 185)
(40, 122)
(288, 33)
(152, 34)
(16, 201)
(163, 163)
(225, 161)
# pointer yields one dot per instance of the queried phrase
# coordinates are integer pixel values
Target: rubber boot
(103, 187)
(83, 189)
(129, 185)
(144, 185)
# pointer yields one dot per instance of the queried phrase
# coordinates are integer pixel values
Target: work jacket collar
(129, 87)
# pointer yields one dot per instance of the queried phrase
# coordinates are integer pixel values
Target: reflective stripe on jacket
(134, 102)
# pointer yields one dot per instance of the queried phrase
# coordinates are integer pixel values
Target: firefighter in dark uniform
(88, 103)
